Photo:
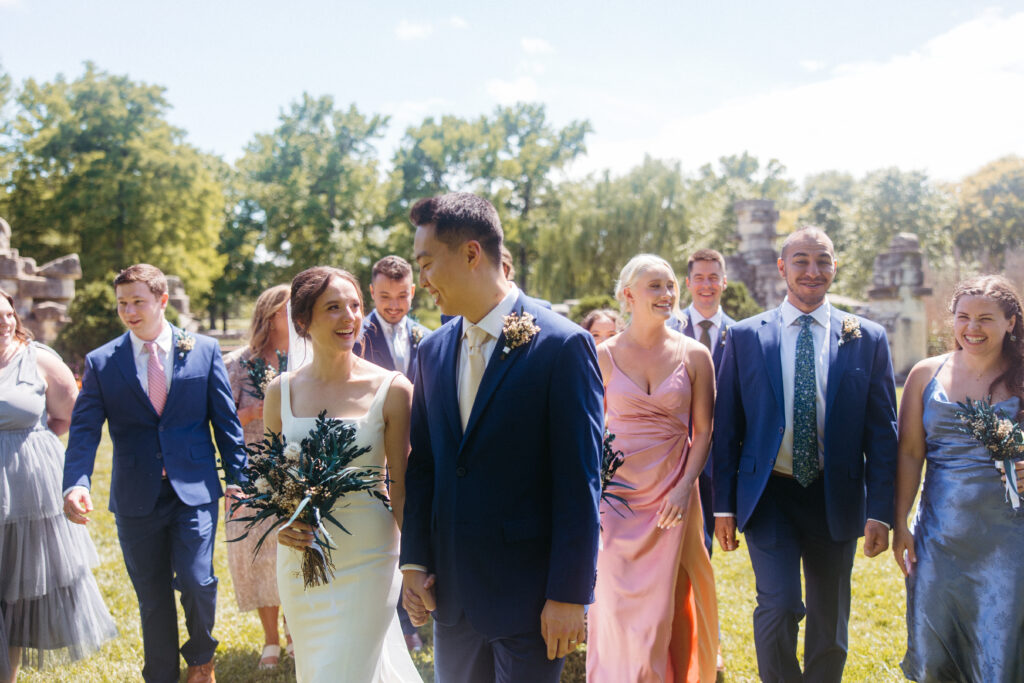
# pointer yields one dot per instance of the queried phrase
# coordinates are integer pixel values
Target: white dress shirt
(790, 332)
(163, 346)
(492, 324)
(696, 317)
(397, 337)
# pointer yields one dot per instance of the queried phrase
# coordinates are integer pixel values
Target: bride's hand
(298, 535)
(674, 506)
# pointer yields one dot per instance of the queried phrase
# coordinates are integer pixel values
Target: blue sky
(936, 85)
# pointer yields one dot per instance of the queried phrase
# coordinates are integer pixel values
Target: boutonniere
(725, 328)
(851, 330)
(518, 330)
(416, 335)
(185, 343)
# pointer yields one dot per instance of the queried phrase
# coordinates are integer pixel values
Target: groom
(159, 390)
(501, 520)
(805, 459)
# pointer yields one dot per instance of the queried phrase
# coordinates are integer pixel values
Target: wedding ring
(679, 516)
(572, 641)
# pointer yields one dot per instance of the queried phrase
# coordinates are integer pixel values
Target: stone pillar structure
(895, 301)
(755, 261)
(41, 293)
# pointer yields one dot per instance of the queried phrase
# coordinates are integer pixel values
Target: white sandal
(269, 652)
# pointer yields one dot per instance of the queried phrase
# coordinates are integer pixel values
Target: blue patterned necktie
(805, 409)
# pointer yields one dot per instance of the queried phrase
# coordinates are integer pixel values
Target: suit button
(782, 430)
(159, 456)
(460, 471)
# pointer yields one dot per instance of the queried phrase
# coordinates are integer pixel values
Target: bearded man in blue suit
(391, 339)
(804, 459)
(501, 520)
(159, 390)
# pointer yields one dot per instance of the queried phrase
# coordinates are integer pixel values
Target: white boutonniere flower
(186, 342)
(725, 328)
(851, 330)
(416, 335)
(518, 330)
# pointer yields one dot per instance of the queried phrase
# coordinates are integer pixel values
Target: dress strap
(941, 365)
(382, 392)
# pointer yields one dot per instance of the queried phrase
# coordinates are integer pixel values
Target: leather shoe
(201, 673)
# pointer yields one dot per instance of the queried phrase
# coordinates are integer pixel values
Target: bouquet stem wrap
(1011, 484)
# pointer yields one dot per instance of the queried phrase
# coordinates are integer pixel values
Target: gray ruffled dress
(50, 604)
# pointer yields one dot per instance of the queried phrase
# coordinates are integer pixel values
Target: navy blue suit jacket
(145, 443)
(506, 513)
(373, 346)
(860, 423)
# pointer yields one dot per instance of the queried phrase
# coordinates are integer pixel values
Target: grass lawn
(877, 630)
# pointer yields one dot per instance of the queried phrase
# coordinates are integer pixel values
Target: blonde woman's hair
(631, 273)
(267, 305)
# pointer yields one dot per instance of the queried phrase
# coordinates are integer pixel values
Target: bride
(346, 629)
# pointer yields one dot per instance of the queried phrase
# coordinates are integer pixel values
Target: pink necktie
(157, 378)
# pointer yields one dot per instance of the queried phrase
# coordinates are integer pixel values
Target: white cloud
(522, 89)
(536, 46)
(406, 30)
(458, 22)
(948, 108)
(812, 65)
(6, 4)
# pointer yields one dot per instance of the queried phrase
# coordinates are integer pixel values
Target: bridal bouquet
(611, 461)
(304, 481)
(261, 373)
(1003, 438)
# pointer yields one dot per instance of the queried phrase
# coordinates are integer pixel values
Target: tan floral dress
(255, 580)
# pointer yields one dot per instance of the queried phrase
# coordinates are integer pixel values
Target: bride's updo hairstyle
(307, 287)
(631, 274)
(1001, 291)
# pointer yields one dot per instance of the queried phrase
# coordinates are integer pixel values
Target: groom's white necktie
(469, 383)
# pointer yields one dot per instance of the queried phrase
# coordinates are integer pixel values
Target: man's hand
(725, 532)
(77, 504)
(232, 495)
(876, 538)
(562, 627)
(418, 595)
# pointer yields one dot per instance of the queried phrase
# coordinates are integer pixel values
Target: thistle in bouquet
(999, 434)
(611, 461)
(260, 373)
(304, 482)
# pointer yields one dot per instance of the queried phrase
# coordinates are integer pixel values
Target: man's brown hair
(705, 255)
(151, 276)
(392, 267)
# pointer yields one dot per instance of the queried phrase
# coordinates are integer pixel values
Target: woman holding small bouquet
(255, 576)
(961, 557)
(347, 628)
(655, 615)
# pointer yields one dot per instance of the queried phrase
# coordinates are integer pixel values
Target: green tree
(990, 212)
(314, 185)
(738, 302)
(99, 171)
(94, 321)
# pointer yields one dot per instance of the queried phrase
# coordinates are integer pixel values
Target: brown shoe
(201, 673)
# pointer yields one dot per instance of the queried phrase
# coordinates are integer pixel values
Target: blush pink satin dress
(655, 591)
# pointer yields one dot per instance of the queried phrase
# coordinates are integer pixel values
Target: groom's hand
(725, 532)
(876, 538)
(77, 504)
(418, 595)
(562, 627)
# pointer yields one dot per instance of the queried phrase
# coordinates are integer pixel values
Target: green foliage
(94, 321)
(738, 302)
(592, 302)
(99, 171)
(990, 215)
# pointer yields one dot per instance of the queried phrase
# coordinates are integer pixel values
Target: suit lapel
(177, 365)
(496, 369)
(448, 376)
(380, 352)
(770, 336)
(687, 328)
(836, 360)
(124, 355)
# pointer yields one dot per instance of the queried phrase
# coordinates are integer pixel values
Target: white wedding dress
(347, 630)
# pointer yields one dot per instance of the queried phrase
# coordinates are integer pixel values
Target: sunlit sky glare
(936, 85)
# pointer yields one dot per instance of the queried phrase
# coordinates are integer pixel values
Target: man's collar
(822, 314)
(494, 322)
(696, 316)
(385, 325)
(163, 340)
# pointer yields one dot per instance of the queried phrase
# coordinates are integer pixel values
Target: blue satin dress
(965, 596)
